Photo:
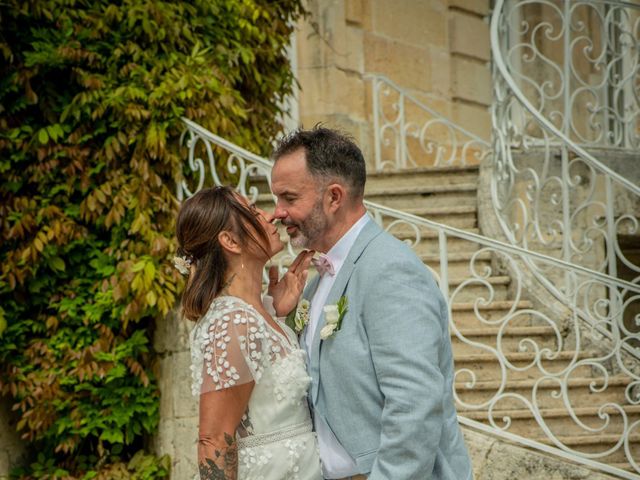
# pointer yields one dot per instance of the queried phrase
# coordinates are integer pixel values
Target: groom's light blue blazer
(383, 382)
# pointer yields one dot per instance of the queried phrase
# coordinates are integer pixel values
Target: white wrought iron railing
(567, 85)
(408, 133)
(522, 359)
(577, 63)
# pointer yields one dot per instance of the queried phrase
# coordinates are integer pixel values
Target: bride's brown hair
(201, 218)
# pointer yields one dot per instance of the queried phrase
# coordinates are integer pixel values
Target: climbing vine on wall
(91, 95)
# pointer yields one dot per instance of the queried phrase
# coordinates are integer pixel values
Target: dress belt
(265, 438)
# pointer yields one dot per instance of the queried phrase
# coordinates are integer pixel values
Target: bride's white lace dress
(233, 344)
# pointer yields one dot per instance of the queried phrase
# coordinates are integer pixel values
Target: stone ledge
(496, 459)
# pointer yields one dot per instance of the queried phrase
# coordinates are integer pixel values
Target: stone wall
(437, 50)
(11, 447)
(178, 430)
(495, 459)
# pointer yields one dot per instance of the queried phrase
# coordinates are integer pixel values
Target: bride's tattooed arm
(220, 416)
(219, 462)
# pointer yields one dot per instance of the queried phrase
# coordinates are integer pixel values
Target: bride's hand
(286, 291)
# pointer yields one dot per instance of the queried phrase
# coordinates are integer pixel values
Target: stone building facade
(436, 49)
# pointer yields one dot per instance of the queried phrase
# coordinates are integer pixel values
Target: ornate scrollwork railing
(408, 133)
(567, 85)
(577, 62)
(543, 360)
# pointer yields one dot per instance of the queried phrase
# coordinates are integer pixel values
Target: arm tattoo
(225, 464)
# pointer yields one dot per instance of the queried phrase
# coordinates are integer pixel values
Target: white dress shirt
(336, 462)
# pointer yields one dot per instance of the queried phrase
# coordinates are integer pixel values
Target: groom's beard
(310, 230)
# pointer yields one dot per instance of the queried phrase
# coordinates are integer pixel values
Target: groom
(381, 391)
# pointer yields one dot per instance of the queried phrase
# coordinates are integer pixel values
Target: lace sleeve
(228, 348)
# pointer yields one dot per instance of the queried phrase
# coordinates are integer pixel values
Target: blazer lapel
(368, 233)
(308, 294)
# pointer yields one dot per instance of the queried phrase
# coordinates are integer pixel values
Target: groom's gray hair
(330, 154)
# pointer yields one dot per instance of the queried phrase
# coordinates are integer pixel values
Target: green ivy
(91, 95)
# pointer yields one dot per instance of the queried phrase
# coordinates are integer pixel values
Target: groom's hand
(286, 291)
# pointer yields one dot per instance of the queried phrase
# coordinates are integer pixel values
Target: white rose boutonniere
(299, 317)
(333, 315)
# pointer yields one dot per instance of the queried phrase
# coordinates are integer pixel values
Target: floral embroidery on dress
(291, 379)
(252, 459)
(233, 344)
(295, 450)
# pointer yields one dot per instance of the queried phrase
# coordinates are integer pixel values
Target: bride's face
(274, 245)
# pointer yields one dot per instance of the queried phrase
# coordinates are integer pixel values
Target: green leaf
(138, 266)
(43, 137)
(149, 273)
(56, 263)
(3, 321)
(151, 298)
(112, 436)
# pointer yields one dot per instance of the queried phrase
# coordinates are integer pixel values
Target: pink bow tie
(323, 265)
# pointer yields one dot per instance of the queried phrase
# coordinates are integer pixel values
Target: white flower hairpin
(182, 264)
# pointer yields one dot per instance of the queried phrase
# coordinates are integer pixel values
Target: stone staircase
(448, 195)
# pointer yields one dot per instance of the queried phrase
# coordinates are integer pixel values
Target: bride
(247, 365)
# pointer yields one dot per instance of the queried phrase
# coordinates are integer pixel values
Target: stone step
(600, 443)
(508, 332)
(558, 420)
(485, 365)
(528, 384)
(513, 339)
(428, 243)
(518, 357)
(458, 263)
(404, 197)
(463, 217)
(469, 289)
(423, 176)
(581, 391)
(547, 413)
(467, 315)
(446, 210)
(420, 189)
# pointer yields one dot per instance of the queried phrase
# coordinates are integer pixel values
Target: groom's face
(299, 200)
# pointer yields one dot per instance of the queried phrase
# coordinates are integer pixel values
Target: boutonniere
(299, 317)
(333, 315)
